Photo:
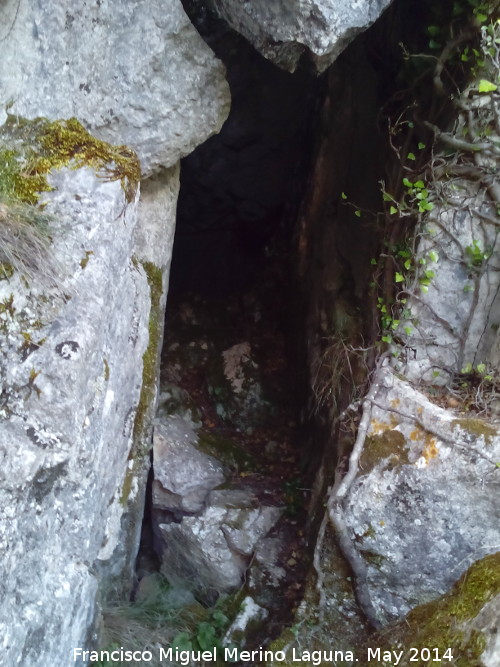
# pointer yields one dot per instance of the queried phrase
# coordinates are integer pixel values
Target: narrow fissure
(272, 321)
(227, 512)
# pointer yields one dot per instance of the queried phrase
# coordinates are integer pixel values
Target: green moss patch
(446, 623)
(30, 149)
(389, 444)
(476, 427)
(150, 357)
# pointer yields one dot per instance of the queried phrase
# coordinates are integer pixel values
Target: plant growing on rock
(444, 174)
(24, 243)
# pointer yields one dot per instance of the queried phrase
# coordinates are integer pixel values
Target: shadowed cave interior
(270, 261)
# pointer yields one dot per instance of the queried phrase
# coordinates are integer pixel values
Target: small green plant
(476, 256)
(206, 636)
(156, 618)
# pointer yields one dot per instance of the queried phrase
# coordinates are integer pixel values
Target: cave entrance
(227, 385)
(271, 268)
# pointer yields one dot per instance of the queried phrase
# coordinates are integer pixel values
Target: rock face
(80, 339)
(282, 31)
(183, 476)
(426, 503)
(71, 366)
(211, 552)
(205, 536)
(142, 76)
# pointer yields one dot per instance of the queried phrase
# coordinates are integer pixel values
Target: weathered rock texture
(205, 536)
(69, 402)
(463, 623)
(210, 553)
(426, 503)
(183, 476)
(134, 73)
(282, 31)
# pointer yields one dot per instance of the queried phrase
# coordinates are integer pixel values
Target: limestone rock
(425, 504)
(212, 551)
(71, 369)
(183, 476)
(141, 76)
(462, 623)
(283, 30)
(458, 313)
(249, 615)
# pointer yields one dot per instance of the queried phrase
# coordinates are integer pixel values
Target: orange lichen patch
(431, 450)
(420, 410)
(377, 427)
(415, 434)
(395, 402)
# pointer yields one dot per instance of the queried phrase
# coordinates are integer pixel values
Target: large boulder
(140, 76)
(210, 553)
(71, 364)
(282, 31)
(183, 476)
(426, 502)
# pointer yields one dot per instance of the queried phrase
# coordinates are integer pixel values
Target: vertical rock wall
(81, 333)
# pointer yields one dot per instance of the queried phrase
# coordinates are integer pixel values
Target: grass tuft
(24, 243)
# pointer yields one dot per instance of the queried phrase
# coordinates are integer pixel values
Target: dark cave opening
(271, 263)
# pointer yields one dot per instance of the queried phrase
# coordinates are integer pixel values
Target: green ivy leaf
(373, 261)
(398, 277)
(411, 156)
(387, 339)
(393, 210)
(421, 145)
(182, 641)
(433, 256)
(481, 368)
(433, 30)
(407, 264)
(206, 636)
(408, 331)
(407, 183)
(486, 86)
(419, 184)
(343, 195)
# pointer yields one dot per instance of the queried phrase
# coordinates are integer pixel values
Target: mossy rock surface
(30, 149)
(451, 623)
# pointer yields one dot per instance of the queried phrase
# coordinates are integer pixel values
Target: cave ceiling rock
(71, 360)
(133, 72)
(283, 30)
(425, 504)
